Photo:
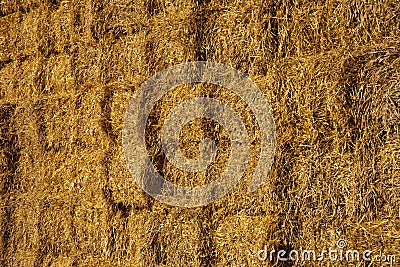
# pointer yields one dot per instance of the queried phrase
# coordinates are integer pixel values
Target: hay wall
(330, 71)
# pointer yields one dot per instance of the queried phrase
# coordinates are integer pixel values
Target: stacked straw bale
(329, 69)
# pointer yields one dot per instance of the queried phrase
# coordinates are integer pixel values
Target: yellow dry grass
(329, 69)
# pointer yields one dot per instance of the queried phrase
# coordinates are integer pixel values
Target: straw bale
(106, 39)
(124, 61)
(242, 34)
(89, 116)
(122, 184)
(13, 6)
(113, 237)
(181, 239)
(19, 35)
(73, 164)
(172, 38)
(61, 26)
(72, 213)
(133, 238)
(22, 147)
(17, 80)
(7, 38)
(118, 19)
(313, 27)
(34, 78)
(23, 243)
(57, 122)
(57, 76)
(238, 239)
(74, 120)
(57, 229)
(71, 172)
